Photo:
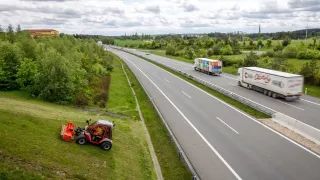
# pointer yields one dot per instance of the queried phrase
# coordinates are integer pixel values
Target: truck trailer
(208, 66)
(272, 83)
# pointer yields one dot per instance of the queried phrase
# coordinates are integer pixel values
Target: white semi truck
(271, 83)
(208, 66)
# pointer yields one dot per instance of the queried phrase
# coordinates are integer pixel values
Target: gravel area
(291, 134)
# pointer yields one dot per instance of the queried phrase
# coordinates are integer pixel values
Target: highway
(306, 110)
(220, 141)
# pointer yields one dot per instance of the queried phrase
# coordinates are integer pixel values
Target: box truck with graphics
(272, 83)
(208, 66)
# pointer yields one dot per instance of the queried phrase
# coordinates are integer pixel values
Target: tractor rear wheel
(81, 139)
(106, 145)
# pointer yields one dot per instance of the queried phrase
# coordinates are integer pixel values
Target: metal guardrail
(228, 93)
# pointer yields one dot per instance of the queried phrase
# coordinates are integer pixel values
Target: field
(127, 42)
(31, 148)
(275, 42)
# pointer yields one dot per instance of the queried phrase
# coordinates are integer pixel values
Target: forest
(62, 69)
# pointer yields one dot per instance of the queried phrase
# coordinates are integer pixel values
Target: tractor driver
(98, 131)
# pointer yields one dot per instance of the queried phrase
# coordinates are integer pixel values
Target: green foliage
(10, 33)
(56, 69)
(27, 74)
(286, 42)
(250, 60)
(170, 50)
(226, 50)
(308, 54)
(290, 51)
(310, 71)
(107, 40)
(278, 47)
(260, 43)
(210, 52)
(269, 43)
(10, 57)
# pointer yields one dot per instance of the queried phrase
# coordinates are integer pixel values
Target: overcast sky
(117, 17)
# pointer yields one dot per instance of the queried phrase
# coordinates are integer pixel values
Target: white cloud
(117, 17)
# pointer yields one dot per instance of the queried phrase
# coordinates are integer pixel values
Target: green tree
(286, 42)
(55, 78)
(170, 50)
(269, 43)
(250, 60)
(10, 58)
(210, 52)
(260, 43)
(278, 47)
(310, 71)
(226, 50)
(18, 29)
(10, 32)
(26, 75)
(314, 42)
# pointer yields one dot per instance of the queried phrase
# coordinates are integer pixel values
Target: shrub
(290, 51)
(210, 52)
(170, 50)
(286, 42)
(250, 60)
(308, 54)
(278, 47)
(226, 50)
(310, 71)
(269, 43)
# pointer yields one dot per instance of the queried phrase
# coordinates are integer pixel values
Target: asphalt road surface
(306, 110)
(220, 141)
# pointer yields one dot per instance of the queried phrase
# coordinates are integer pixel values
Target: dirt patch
(292, 135)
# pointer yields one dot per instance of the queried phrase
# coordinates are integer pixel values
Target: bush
(308, 54)
(226, 50)
(278, 47)
(290, 51)
(269, 43)
(210, 52)
(286, 42)
(310, 70)
(268, 54)
(10, 57)
(170, 50)
(250, 60)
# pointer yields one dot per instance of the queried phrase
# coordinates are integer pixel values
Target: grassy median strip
(243, 107)
(171, 166)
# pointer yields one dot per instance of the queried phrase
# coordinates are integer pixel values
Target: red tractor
(99, 133)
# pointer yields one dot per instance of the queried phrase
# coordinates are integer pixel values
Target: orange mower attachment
(67, 131)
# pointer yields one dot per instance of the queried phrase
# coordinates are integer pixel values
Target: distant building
(43, 32)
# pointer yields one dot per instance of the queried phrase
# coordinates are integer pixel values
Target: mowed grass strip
(171, 166)
(247, 109)
(121, 99)
(31, 148)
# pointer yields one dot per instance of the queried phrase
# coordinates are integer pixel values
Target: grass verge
(244, 108)
(312, 90)
(121, 99)
(171, 166)
(31, 148)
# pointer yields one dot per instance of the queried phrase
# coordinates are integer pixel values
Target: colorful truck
(208, 66)
(271, 83)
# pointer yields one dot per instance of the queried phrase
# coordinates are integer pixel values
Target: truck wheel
(106, 145)
(81, 139)
(239, 83)
(269, 93)
(265, 92)
(274, 95)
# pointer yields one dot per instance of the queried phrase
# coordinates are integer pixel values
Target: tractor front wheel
(106, 145)
(81, 139)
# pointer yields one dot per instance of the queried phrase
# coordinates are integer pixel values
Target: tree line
(61, 69)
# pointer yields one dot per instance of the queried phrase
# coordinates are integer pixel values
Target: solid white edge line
(253, 119)
(310, 102)
(290, 105)
(227, 125)
(186, 94)
(197, 131)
